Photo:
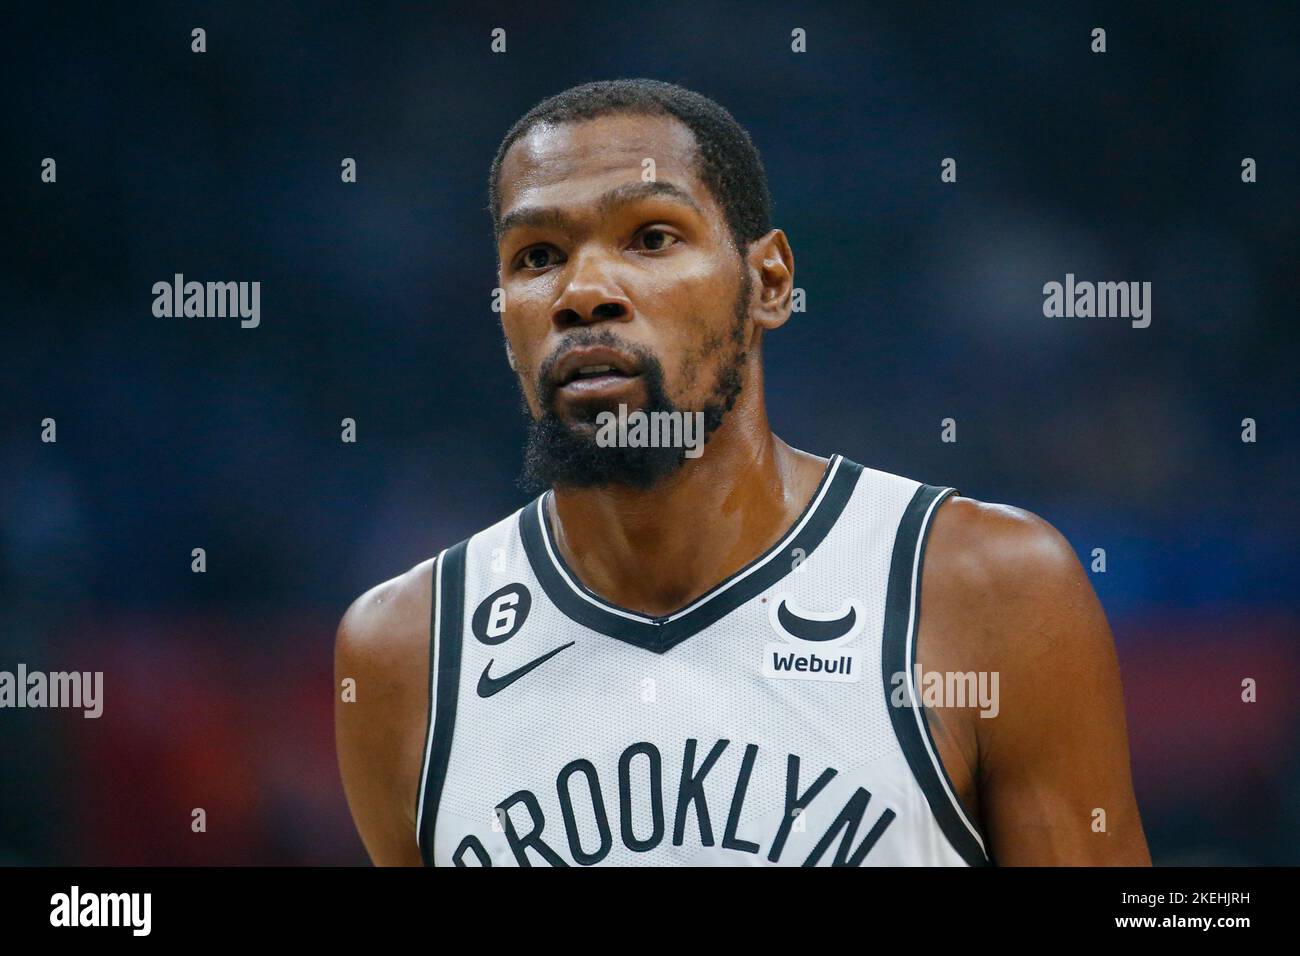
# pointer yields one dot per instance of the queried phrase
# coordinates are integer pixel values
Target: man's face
(602, 268)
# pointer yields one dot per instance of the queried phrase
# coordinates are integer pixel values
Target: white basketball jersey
(752, 727)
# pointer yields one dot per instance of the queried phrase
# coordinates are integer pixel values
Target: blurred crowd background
(924, 302)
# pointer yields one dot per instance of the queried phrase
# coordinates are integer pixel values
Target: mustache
(547, 385)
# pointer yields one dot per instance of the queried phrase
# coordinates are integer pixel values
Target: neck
(654, 551)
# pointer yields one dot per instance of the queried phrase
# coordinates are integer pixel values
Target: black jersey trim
(446, 631)
(898, 656)
(660, 634)
(435, 579)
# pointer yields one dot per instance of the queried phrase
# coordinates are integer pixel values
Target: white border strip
(434, 647)
(911, 680)
(632, 616)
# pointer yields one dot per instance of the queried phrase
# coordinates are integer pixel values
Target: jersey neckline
(584, 606)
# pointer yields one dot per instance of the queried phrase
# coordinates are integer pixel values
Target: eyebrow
(551, 217)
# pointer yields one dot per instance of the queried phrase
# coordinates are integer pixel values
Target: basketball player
(724, 658)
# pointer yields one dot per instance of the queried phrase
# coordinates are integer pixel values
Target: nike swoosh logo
(489, 685)
(807, 630)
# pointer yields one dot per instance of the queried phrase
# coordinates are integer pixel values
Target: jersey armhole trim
(445, 633)
(898, 656)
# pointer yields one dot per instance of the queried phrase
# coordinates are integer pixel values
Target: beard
(566, 454)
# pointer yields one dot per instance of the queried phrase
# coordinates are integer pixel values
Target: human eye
(538, 257)
(655, 239)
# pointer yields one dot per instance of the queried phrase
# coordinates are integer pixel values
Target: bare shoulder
(1012, 579)
(997, 552)
(381, 669)
(388, 623)
(995, 546)
(1004, 593)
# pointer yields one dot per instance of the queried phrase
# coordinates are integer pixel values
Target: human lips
(594, 370)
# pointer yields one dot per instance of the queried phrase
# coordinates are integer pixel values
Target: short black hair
(726, 160)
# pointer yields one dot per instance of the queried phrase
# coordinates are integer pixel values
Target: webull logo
(814, 643)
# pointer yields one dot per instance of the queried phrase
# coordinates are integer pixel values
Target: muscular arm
(1002, 591)
(383, 644)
